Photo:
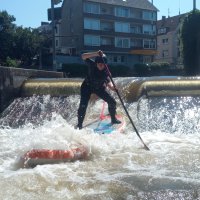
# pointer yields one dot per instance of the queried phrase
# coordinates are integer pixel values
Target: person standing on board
(96, 82)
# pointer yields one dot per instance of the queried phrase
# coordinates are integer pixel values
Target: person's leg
(85, 96)
(103, 94)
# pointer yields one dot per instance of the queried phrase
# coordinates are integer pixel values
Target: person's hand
(112, 87)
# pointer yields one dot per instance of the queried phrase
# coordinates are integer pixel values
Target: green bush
(75, 70)
(152, 69)
(119, 70)
(141, 69)
(11, 62)
(81, 70)
(159, 66)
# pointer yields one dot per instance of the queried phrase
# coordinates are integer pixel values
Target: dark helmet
(100, 59)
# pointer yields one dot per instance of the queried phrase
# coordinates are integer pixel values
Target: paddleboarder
(97, 82)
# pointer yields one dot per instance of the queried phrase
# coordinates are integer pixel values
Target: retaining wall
(11, 80)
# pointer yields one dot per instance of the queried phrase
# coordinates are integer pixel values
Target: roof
(170, 22)
(141, 4)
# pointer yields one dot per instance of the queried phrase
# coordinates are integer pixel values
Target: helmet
(100, 59)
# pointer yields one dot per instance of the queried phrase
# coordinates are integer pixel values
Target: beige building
(124, 29)
(168, 41)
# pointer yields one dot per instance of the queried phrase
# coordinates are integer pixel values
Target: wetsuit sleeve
(107, 80)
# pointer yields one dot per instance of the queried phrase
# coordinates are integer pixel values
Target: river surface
(118, 167)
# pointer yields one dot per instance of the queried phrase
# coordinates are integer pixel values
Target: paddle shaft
(110, 76)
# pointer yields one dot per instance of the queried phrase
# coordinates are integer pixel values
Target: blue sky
(30, 13)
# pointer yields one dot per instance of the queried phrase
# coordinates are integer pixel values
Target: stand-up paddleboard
(103, 124)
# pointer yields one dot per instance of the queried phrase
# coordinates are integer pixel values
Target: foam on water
(118, 167)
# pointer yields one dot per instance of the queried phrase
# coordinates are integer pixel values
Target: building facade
(168, 41)
(124, 29)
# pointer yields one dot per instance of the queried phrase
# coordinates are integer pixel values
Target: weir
(52, 87)
(11, 80)
(133, 88)
(163, 86)
(169, 126)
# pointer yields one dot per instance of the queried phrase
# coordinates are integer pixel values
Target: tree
(27, 43)
(18, 44)
(6, 35)
(190, 36)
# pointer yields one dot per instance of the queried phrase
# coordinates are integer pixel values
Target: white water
(118, 167)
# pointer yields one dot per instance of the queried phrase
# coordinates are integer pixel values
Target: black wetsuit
(95, 82)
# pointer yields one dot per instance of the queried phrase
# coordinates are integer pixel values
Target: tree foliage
(6, 35)
(22, 45)
(190, 36)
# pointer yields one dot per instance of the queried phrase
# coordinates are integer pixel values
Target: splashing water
(118, 167)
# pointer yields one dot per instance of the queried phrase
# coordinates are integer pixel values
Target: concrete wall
(11, 80)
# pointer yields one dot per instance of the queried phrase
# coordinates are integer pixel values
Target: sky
(30, 13)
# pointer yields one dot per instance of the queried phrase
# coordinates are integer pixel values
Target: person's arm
(91, 54)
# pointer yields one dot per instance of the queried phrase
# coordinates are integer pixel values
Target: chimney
(194, 5)
(163, 18)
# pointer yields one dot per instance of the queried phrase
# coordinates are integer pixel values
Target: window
(136, 42)
(122, 27)
(91, 8)
(165, 53)
(165, 41)
(147, 59)
(162, 30)
(149, 44)
(115, 59)
(136, 29)
(91, 40)
(148, 15)
(122, 59)
(136, 14)
(71, 28)
(122, 42)
(57, 43)
(106, 41)
(122, 12)
(149, 29)
(119, 59)
(106, 26)
(92, 24)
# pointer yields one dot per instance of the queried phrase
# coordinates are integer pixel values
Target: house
(124, 29)
(168, 41)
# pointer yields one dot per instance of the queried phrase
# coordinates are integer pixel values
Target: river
(118, 167)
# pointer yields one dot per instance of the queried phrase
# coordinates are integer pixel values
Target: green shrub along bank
(80, 70)
(156, 69)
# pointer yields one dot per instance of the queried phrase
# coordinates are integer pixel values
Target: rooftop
(141, 4)
(170, 22)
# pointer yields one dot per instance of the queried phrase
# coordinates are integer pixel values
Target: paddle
(110, 76)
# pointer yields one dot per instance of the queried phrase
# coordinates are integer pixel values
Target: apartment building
(124, 29)
(168, 40)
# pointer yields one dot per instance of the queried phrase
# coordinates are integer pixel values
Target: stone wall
(11, 80)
